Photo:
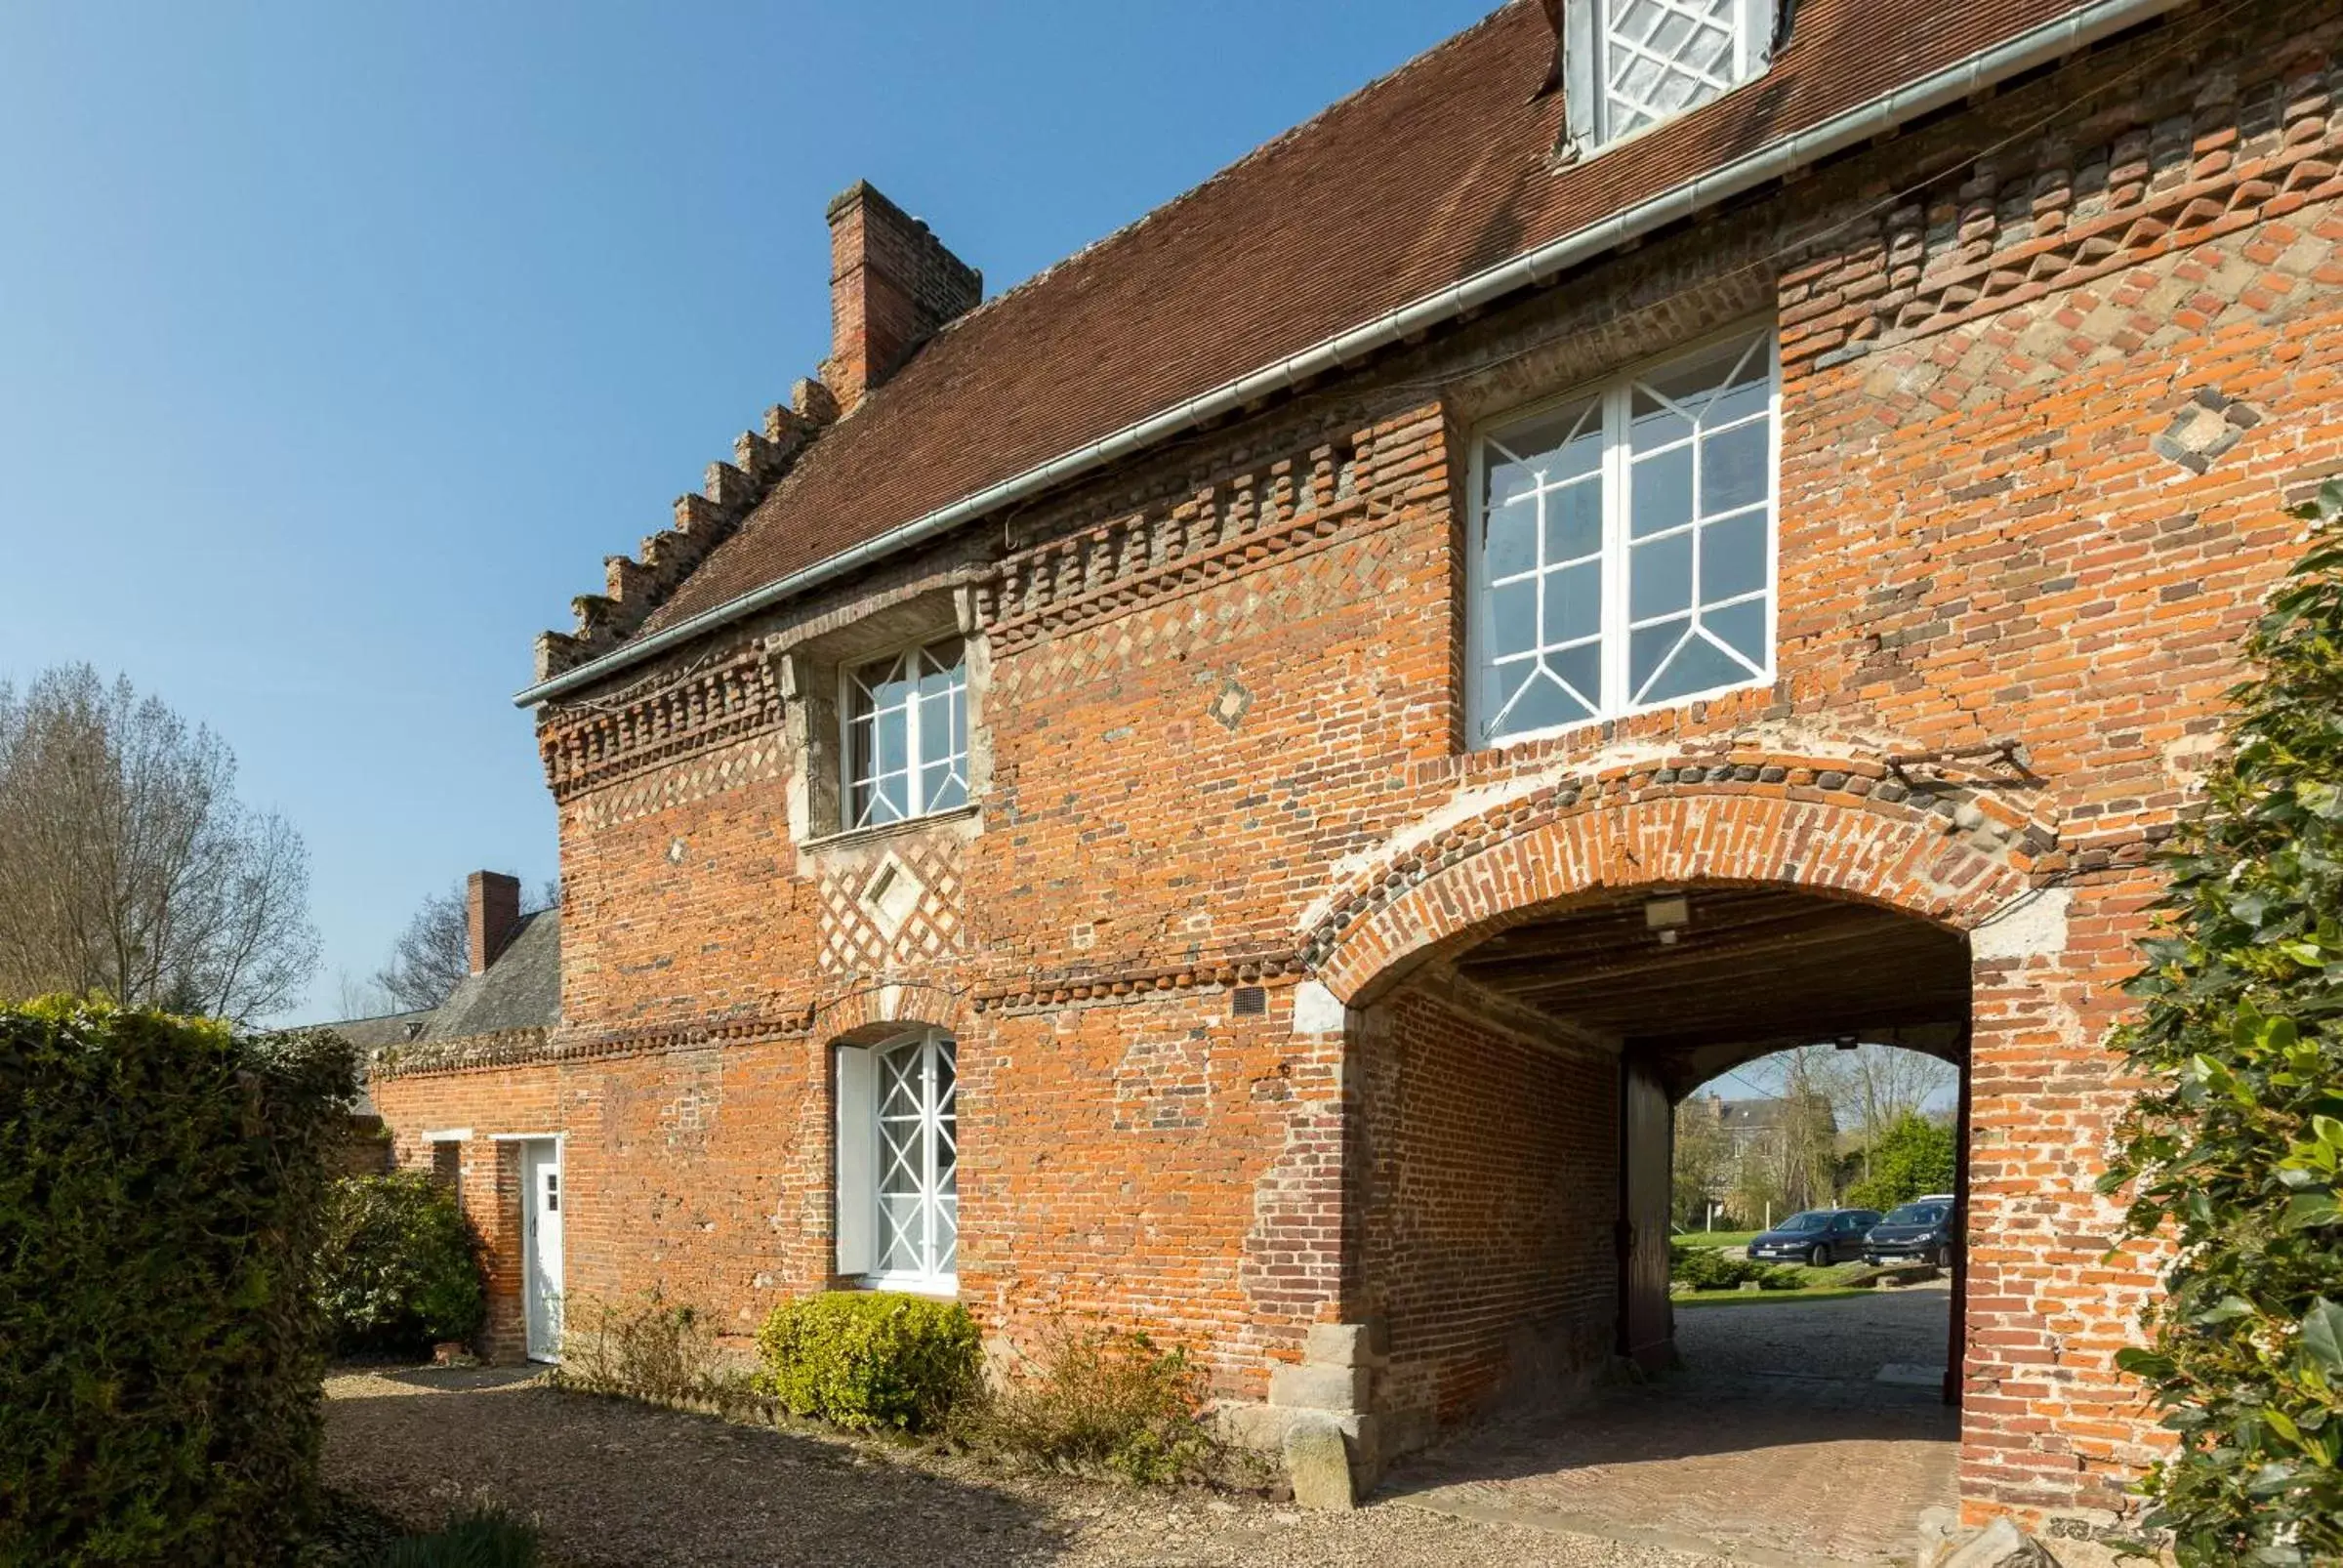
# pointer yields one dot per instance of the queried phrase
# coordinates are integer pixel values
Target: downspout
(2077, 29)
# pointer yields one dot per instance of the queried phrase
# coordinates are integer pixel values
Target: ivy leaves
(2235, 1147)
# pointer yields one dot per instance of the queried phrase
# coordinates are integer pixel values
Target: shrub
(2235, 1147)
(1098, 1400)
(163, 1183)
(870, 1359)
(649, 1351)
(398, 1270)
(486, 1536)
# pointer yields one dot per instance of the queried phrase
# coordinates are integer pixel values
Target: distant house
(1756, 1122)
(502, 1010)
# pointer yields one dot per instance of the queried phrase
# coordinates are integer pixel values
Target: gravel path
(621, 1485)
(1850, 1337)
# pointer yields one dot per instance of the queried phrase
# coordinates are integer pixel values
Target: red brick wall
(1485, 1183)
(1223, 732)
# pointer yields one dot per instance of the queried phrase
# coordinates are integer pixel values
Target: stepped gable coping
(637, 586)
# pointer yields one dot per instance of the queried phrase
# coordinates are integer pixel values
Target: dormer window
(1631, 64)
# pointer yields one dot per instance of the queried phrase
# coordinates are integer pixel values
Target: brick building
(1231, 786)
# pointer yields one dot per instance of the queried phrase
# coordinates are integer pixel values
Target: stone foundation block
(1339, 1390)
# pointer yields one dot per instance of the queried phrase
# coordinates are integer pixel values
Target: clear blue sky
(340, 343)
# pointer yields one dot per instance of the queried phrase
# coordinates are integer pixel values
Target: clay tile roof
(1430, 175)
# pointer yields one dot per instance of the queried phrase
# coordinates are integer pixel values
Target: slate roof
(521, 990)
(1434, 173)
(370, 1034)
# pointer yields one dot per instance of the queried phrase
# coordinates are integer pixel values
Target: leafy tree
(2235, 1146)
(1914, 1156)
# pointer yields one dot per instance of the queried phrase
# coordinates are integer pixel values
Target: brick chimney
(891, 285)
(492, 907)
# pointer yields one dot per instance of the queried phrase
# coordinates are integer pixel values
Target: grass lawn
(1715, 1238)
(1815, 1293)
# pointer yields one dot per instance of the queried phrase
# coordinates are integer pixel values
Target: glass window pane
(899, 1225)
(1574, 604)
(1754, 393)
(1512, 542)
(1648, 649)
(1557, 444)
(1732, 556)
(1511, 478)
(1659, 492)
(1734, 467)
(1740, 628)
(1500, 683)
(1654, 423)
(1659, 577)
(945, 791)
(892, 729)
(1574, 522)
(1697, 665)
(1543, 705)
(1514, 617)
(1581, 670)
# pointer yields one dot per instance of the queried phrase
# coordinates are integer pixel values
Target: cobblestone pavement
(620, 1485)
(1774, 1446)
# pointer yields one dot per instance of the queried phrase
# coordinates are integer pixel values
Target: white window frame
(1585, 75)
(853, 813)
(862, 1160)
(1616, 391)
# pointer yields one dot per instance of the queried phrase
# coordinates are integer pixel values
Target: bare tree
(356, 997)
(1873, 1086)
(128, 867)
(433, 955)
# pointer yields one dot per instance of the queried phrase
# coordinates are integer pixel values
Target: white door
(541, 1244)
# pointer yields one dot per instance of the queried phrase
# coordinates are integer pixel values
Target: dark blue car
(1816, 1236)
(1918, 1232)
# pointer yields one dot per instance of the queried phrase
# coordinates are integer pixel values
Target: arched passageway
(1685, 982)
(1515, 1196)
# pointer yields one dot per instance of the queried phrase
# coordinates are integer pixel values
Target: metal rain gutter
(2077, 29)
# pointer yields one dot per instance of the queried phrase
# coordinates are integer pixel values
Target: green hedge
(869, 1359)
(162, 1184)
(1707, 1268)
(398, 1270)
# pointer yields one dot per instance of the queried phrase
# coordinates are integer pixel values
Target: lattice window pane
(918, 1216)
(1656, 59)
(907, 735)
(1626, 545)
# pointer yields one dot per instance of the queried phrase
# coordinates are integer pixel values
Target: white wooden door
(542, 1198)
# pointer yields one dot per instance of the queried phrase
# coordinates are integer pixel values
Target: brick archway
(1953, 857)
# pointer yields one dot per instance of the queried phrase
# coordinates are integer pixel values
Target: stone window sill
(887, 830)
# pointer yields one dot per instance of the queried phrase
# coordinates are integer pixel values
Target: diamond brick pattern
(854, 936)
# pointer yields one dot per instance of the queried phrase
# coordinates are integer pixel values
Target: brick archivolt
(1947, 852)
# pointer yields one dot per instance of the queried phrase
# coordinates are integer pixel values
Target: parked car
(1924, 1230)
(1817, 1236)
